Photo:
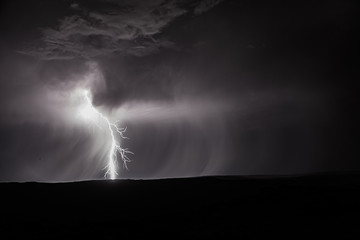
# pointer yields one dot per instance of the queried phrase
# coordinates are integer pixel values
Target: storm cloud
(204, 87)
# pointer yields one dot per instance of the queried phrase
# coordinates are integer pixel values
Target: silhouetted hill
(205, 207)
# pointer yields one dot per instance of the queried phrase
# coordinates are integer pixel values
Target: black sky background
(244, 87)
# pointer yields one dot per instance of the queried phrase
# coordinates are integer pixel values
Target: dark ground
(326, 205)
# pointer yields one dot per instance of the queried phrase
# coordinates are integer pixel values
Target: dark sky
(204, 87)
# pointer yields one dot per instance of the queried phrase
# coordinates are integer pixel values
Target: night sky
(205, 87)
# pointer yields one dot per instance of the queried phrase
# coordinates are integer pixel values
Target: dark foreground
(209, 207)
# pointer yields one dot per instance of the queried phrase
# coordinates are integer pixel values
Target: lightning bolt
(115, 148)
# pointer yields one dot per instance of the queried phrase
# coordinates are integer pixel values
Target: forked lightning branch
(89, 111)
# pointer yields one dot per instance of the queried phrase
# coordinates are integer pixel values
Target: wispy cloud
(205, 6)
(128, 28)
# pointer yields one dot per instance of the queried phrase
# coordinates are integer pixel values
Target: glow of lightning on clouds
(88, 111)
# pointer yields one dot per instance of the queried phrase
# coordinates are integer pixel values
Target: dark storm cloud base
(209, 207)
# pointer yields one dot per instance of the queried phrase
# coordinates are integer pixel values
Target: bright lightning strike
(88, 111)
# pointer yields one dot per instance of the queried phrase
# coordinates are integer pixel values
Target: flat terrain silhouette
(205, 207)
